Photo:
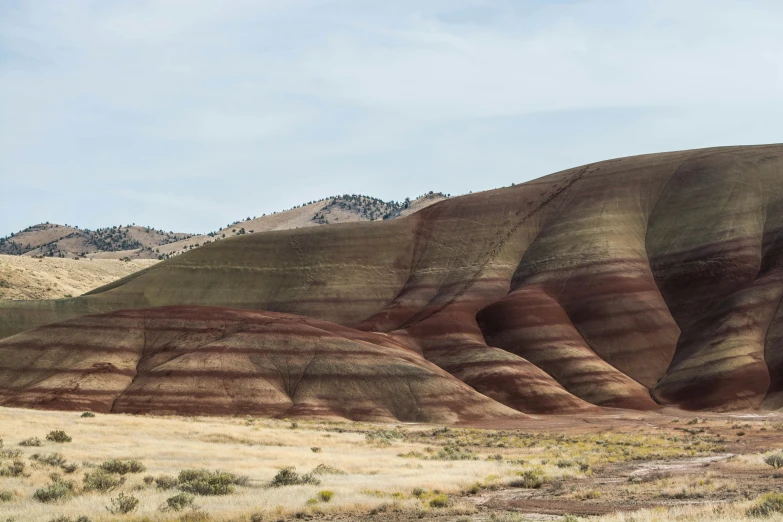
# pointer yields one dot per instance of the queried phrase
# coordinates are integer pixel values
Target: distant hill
(135, 242)
(52, 240)
(24, 278)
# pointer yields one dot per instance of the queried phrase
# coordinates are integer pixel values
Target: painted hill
(636, 282)
(23, 277)
(186, 360)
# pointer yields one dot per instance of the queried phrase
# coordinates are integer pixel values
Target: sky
(187, 115)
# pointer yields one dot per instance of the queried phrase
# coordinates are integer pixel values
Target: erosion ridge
(636, 282)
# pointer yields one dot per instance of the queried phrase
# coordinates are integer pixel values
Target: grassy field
(166, 469)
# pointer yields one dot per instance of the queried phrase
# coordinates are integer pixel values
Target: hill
(135, 242)
(636, 282)
(52, 240)
(23, 277)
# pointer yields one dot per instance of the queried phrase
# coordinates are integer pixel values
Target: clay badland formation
(636, 282)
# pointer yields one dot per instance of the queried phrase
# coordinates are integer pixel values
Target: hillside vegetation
(136, 242)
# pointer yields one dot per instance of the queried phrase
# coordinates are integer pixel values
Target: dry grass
(27, 278)
(394, 471)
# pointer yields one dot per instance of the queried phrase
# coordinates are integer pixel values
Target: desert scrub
(166, 482)
(767, 505)
(206, 482)
(6, 496)
(58, 436)
(123, 467)
(69, 519)
(100, 480)
(289, 477)
(15, 469)
(382, 438)
(775, 460)
(323, 469)
(530, 479)
(325, 495)
(180, 501)
(123, 504)
(57, 490)
(87, 415)
(439, 501)
(52, 459)
(31, 442)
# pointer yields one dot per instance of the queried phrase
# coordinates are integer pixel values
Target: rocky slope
(636, 282)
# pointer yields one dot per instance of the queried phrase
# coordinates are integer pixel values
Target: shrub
(148, 480)
(564, 463)
(15, 469)
(88, 414)
(315, 449)
(32, 441)
(531, 479)
(6, 496)
(325, 495)
(289, 477)
(57, 490)
(122, 467)
(53, 459)
(206, 482)
(323, 469)
(767, 505)
(418, 492)
(69, 467)
(123, 504)
(166, 482)
(775, 460)
(439, 501)
(179, 501)
(100, 480)
(58, 436)
(67, 519)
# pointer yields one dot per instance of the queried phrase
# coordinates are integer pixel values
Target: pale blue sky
(186, 115)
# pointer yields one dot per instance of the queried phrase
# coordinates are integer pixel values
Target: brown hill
(134, 242)
(51, 240)
(23, 277)
(633, 282)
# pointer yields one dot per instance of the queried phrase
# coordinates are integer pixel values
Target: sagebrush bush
(206, 482)
(88, 414)
(103, 481)
(15, 469)
(289, 477)
(52, 459)
(69, 467)
(58, 436)
(530, 479)
(767, 505)
(32, 441)
(166, 482)
(6, 496)
(180, 501)
(325, 495)
(323, 469)
(123, 467)
(68, 519)
(56, 491)
(775, 460)
(439, 501)
(123, 504)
